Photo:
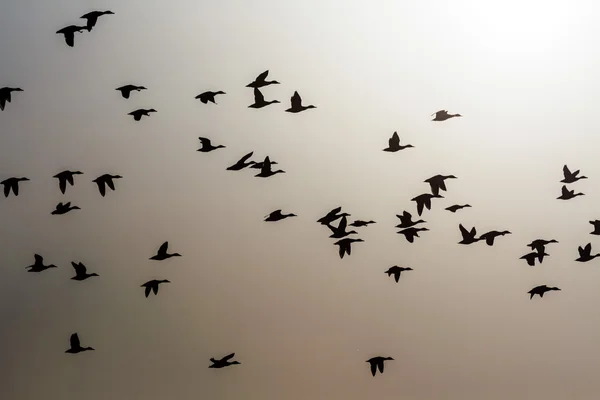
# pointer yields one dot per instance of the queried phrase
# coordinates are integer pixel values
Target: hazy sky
(302, 321)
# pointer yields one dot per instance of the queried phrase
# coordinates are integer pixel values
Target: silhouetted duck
(259, 100)
(359, 223)
(396, 270)
(5, 95)
(260, 81)
(596, 230)
(491, 235)
(568, 194)
(332, 216)
(64, 208)
(340, 230)
(296, 104)
(259, 165)
(106, 180)
(39, 266)
(530, 257)
(394, 144)
(571, 177)
(443, 115)
(540, 244)
(540, 290)
(406, 220)
(92, 18)
(81, 272)
(278, 216)
(208, 96)
(437, 183)
(377, 362)
(457, 207)
(162, 254)
(585, 253)
(69, 33)
(137, 114)
(12, 183)
(153, 286)
(424, 200)
(266, 171)
(127, 89)
(207, 146)
(345, 245)
(241, 164)
(411, 233)
(468, 237)
(76, 346)
(64, 177)
(223, 362)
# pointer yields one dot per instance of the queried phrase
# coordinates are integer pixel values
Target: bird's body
(339, 231)
(278, 216)
(457, 207)
(585, 253)
(359, 223)
(443, 115)
(377, 362)
(568, 194)
(39, 266)
(394, 144)
(81, 273)
(296, 104)
(259, 100)
(127, 89)
(260, 81)
(64, 208)
(468, 237)
(64, 177)
(223, 362)
(106, 180)
(138, 114)
(6, 95)
(208, 96)
(76, 346)
(424, 201)
(411, 233)
(540, 290)
(242, 163)
(437, 183)
(162, 254)
(491, 235)
(153, 286)
(345, 245)
(207, 146)
(571, 177)
(266, 170)
(396, 271)
(406, 220)
(92, 18)
(12, 183)
(69, 33)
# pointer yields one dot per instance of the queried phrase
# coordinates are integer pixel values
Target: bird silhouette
(223, 362)
(241, 164)
(76, 346)
(259, 165)
(81, 272)
(208, 96)
(162, 254)
(457, 207)
(278, 216)
(491, 235)
(92, 18)
(585, 253)
(571, 177)
(38, 265)
(596, 230)
(424, 200)
(127, 89)
(153, 286)
(359, 223)
(266, 171)
(396, 271)
(437, 183)
(345, 245)
(137, 114)
(377, 362)
(340, 230)
(443, 115)
(207, 146)
(568, 194)
(69, 33)
(468, 237)
(332, 216)
(64, 208)
(6, 95)
(296, 104)
(260, 81)
(411, 233)
(106, 180)
(540, 244)
(64, 177)
(259, 100)
(540, 290)
(406, 220)
(530, 257)
(394, 144)
(12, 183)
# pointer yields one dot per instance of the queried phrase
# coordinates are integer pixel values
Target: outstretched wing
(163, 248)
(258, 96)
(565, 191)
(39, 260)
(394, 140)
(75, 341)
(296, 100)
(228, 357)
(373, 368)
(205, 141)
(147, 291)
(566, 172)
(262, 76)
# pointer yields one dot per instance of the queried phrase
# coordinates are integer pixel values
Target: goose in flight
(81, 273)
(596, 230)
(127, 89)
(340, 231)
(491, 235)
(296, 104)
(424, 200)
(259, 100)
(223, 362)
(208, 96)
(162, 254)
(530, 257)
(540, 245)
(332, 216)
(396, 271)
(153, 286)
(64, 208)
(359, 223)
(92, 18)
(106, 180)
(39, 266)
(12, 183)
(64, 177)
(266, 171)
(406, 220)
(411, 233)
(260, 81)
(76, 346)
(443, 115)
(241, 164)
(456, 207)
(437, 183)
(571, 177)
(568, 194)
(585, 253)
(345, 245)
(137, 114)
(377, 362)
(207, 146)
(394, 144)
(278, 216)
(6, 95)
(468, 237)
(540, 290)
(69, 33)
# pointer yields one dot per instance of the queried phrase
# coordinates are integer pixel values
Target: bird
(377, 362)
(340, 231)
(568, 194)
(153, 286)
(596, 230)
(278, 216)
(260, 81)
(359, 223)
(540, 244)
(106, 180)
(137, 114)
(12, 183)
(443, 115)
(39, 266)
(468, 237)
(64, 208)
(411, 233)
(394, 144)
(571, 177)
(259, 100)
(241, 164)
(406, 220)
(456, 207)
(64, 177)
(69, 33)
(491, 235)
(345, 245)
(76, 346)
(332, 216)
(127, 89)
(424, 200)
(207, 146)
(6, 95)
(437, 183)
(585, 253)
(162, 254)
(223, 362)
(92, 18)
(81, 272)
(530, 257)
(296, 104)
(266, 171)
(540, 290)
(259, 165)
(208, 96)
(396, 271)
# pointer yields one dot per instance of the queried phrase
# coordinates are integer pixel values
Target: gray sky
(301, 320)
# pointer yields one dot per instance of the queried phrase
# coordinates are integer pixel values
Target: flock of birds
(408, 226)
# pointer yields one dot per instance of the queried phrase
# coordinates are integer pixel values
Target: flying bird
(340, 230)
(92, 18)
(345, 245)
(64, 208)
(259, 100)
(424, 200)
(64, 177)
(596, 230)
(571, 177)
(296, 104)
(153, 286)
(207, 146)
(39, 266)
(332, 216)
(491, 235)
(81, 273)
(278, 216)
(162, 254)
(69, 33)
(76, 346)
(208, 96)
(394, 144)
(396, 271)
(457, 207)
(530, 257)
(241, 164)
(443, 115)
(585, 253)
(223, 362)
(260, 81)
(12, 183)
(137, 114)
(127, 89)
(106, 180)
(568, 194)
(6, 95)
(411, 233)
(540, 290)
(266, 171)
(540, 244)
(406, 220)
(359, 223)
(437, 183)
(468, 237)
(377, 362)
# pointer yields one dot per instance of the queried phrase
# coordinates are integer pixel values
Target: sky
(302, 321)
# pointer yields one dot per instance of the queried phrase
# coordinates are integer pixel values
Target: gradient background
(301, 320)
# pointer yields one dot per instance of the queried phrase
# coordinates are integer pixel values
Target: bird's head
(275, 82)
(388, 358)
(554, 288)
(450, 177)
(166, 281)
(220, 92)
(358, 240)
(109, 12)
(275, 101)
(408, 269)
(24, 179)
(142, 88)
(94, 274)
(311, 106)
(152, 110)
(17, 90)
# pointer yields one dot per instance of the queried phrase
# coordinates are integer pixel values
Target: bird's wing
(258, 96)
(70, 38)
(296, 100)
(2, 102)
(228, 357)
(110, 183)
(79, 268)
(566, 171)
(464, 232)
(373, 368)
(39, 260)
(205, 141)
(262, 76)
(137, 116)
(394, 140)
(397, 276)
(380, 364)
(147, 291)
(342, 225)
(75, 341)
(155, 288)
(588, 248)
(565, 191)
(420, 205)
(342, 249)
(247, 156)
(101, 188)
(15, 188)
(581, 251)
(6, 189)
